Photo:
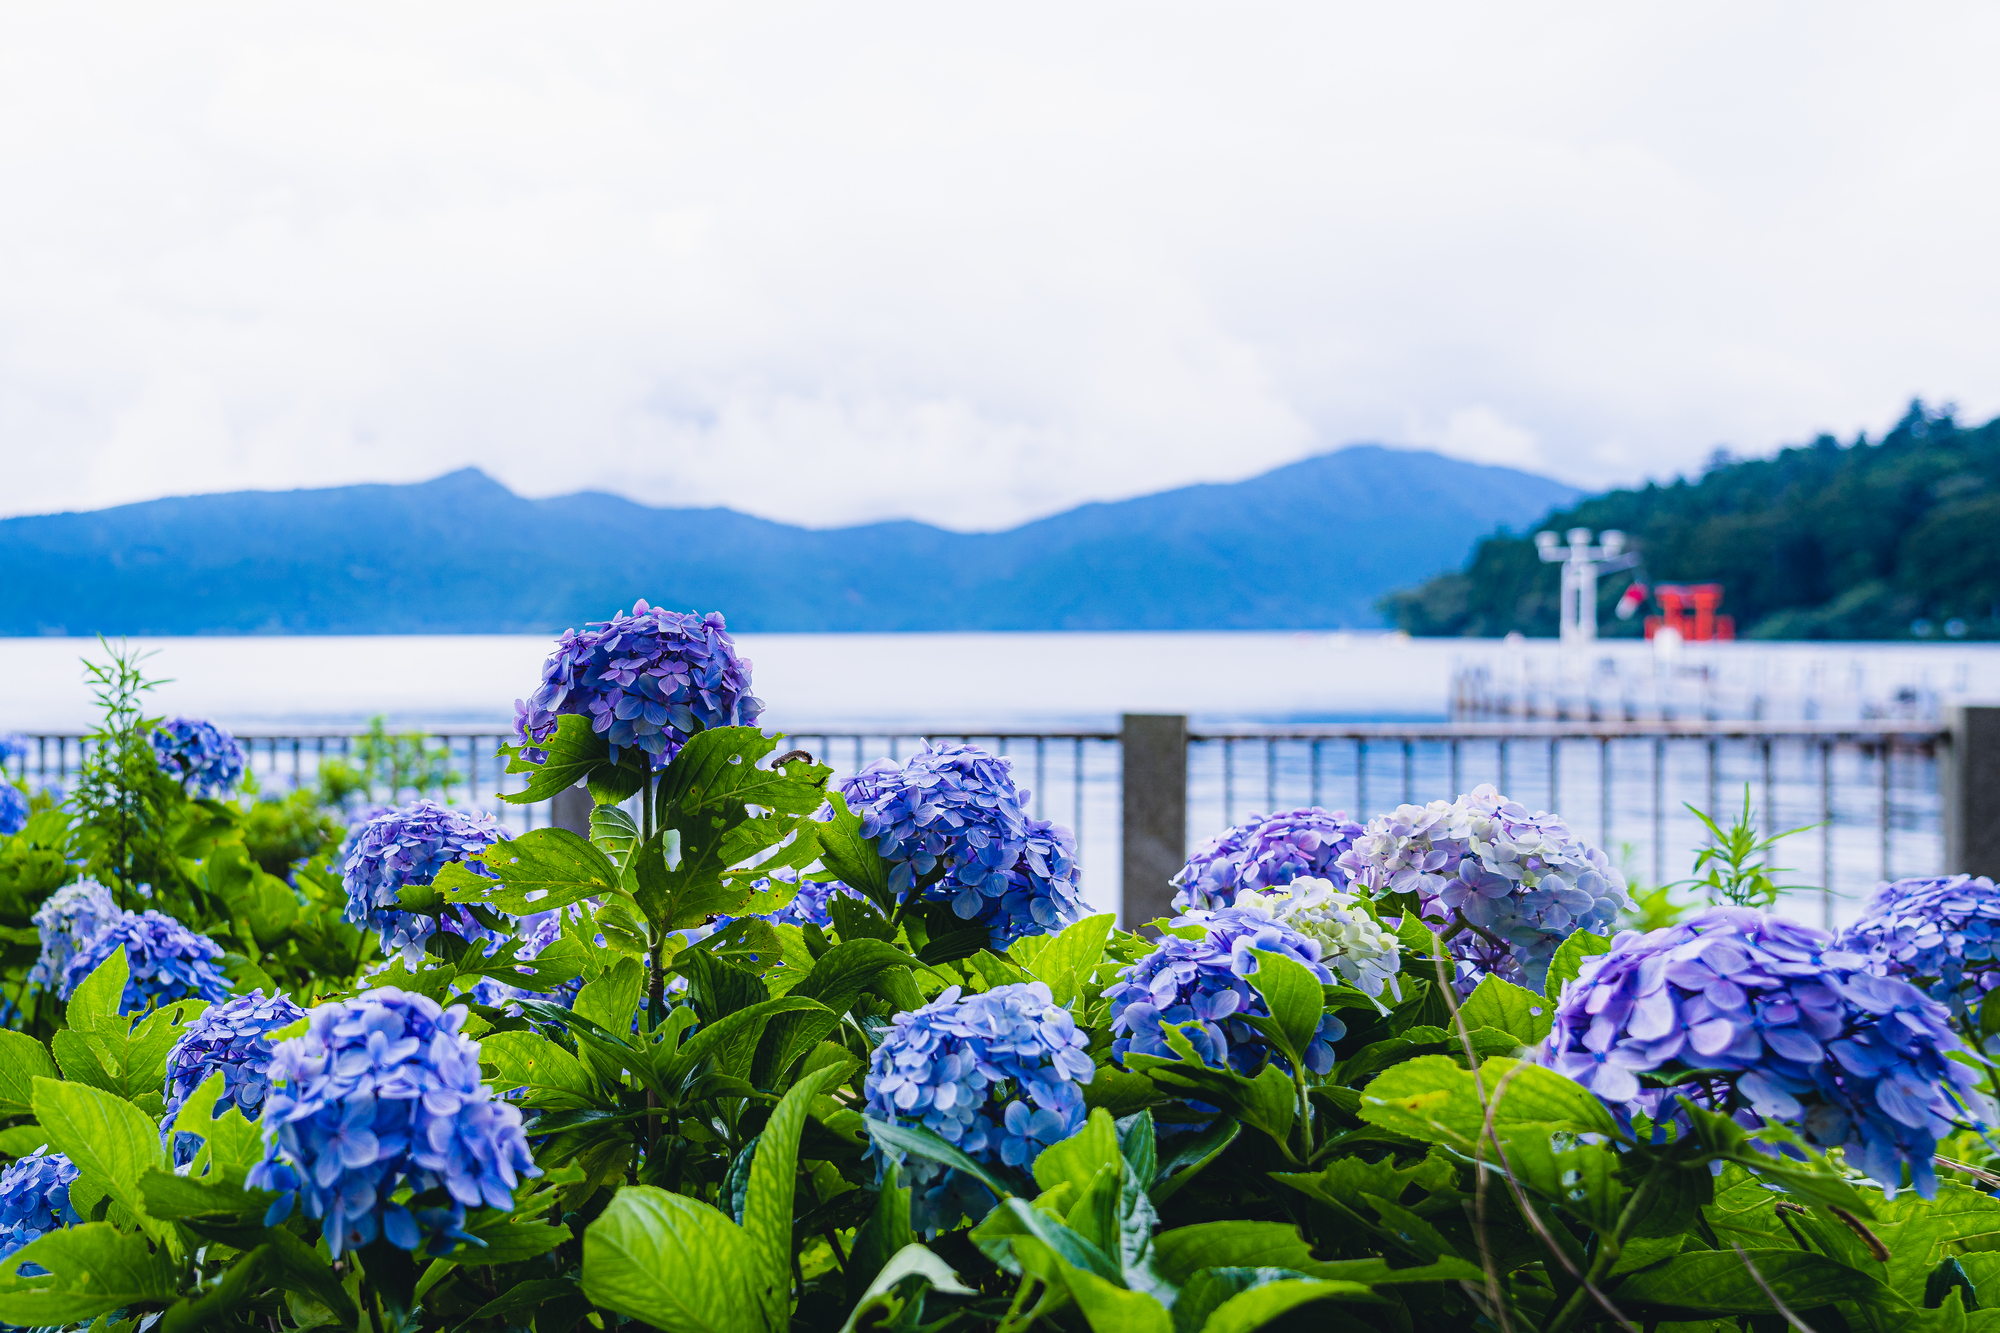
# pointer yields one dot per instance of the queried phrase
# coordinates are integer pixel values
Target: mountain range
(1312, 545)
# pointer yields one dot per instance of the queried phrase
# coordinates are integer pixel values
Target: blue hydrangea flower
(234, 1037)
(66, 920)
(168, 961)
(1941, 935)
(1265, 852)
(1507, 886)
(34, 1200)
(1204, 981)
(409, 846)
(13, 809)
(378, 1119)
(650, 680)
(998, 1074)
(202, 757)
(13, 752)
(952, 823)
(809, 907)
(1798, 1030)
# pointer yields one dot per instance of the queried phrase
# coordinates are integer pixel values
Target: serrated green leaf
(1720, 1281)
(1065, 961)
(1568, 960)
(1079, 1158)
(98, 997)
(552, 1077)
(673, 1262)
(22, 1061)
(1432, 1099)
(841, 974)
(542, 869)
(1292, 993)
(1259, 1306)
(1500, 1004)
(96, 1269)
(923, 1143)
(852, 857)
(574, 751)
(110, 1140)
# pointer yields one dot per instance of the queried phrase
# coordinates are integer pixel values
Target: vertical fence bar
(1714, 765)
(1361, 778)
(1555, 776)
(1228, 781)
(1041, 775)
(1453, 793)
(1270, 774)
(1659, 811)
(1604, 793)
(1410, 771)
(1315, 771)
(1883, 758)
(1826, 834)
(1770, 792)
(1155, 750)
(1505, 785)
(1078, 794)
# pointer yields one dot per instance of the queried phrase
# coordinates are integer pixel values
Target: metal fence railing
(1869, 792)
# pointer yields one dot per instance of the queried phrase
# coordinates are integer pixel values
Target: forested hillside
(1892, 539)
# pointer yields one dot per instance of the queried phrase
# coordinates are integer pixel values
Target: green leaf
(767, 1206)
(731, 1040)
(22, 1061)
(506, 1241)
(1419, 943)
(911, 1261)
(1192, 1156)
(96, 1269)
(1718, 1281)
(177, 1198)
(673, 1262)
(847, 969)
(574, 752)
(21, 1140)
(923, 1143)
(1110, 1308)
(1259, 1306)
(1016, 1217)
(1080, 1157)
(614, 832)
(98, 997)
(1178, 1254)
(110, 1140)
(1508, 1008)
(1568, 960)
(885, 1235)
(554, 1079)
(852, 857)
(540, 870)
(1066, 961)
(1431, 1099)
(528, 1297)
(1292, 993)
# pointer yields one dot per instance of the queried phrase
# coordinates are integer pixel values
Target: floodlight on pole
(1582, 563)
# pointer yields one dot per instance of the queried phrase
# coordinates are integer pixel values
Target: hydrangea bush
(1266, 852)
(998, 1075)
(235, 1038)
(952, 824)
(203, 758)
(1203, 981)
(168, 962)
(69, 918)
(377, 1119)
(1781, 1023)
(34, 1200)
(1941, 935)
(409, 846)
(1507, 886)
(647, 680)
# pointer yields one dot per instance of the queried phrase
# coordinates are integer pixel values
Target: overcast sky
(973, 264)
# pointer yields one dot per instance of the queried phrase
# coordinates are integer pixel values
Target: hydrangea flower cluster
(409, 846)
(13, 752)
(651, 680)
(1513, 884)
(951, 821)
(1941, 935)
(168, 962)
(998, 1074)
(66, 920)
(382, 1095)
(34, 1200)
(202, 757)
(1265, 852)
(1352, 942)
(1808, 1038)
(234, 1037)
(13, 808)
(1205, 981)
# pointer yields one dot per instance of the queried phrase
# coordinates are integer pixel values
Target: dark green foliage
(1824, 541)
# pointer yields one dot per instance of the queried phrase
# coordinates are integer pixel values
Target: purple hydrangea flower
(67, 919)
(648, 680)
(13, 809)
(375, 1108)
(809, 907)
(1797, 1030)
(234, 1037)
(34, 1200)
(1507, 885)
(997, 1074)
(409, 846)
(951, 822)
(202, 757)
(1204, 981)
(1941, 935)
(168, 962)
(1266, 852)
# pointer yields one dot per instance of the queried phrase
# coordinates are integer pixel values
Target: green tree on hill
(1885, 540)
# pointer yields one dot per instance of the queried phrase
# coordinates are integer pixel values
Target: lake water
(918, 680)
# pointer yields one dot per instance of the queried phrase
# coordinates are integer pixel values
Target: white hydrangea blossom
(1356, 946)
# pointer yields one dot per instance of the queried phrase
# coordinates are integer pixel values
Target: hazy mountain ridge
(1310, 545)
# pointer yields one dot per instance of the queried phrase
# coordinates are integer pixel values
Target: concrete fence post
(1969, 789)
(1154, 750)
(570, 809)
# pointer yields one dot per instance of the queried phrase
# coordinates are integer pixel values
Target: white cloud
(836, 264)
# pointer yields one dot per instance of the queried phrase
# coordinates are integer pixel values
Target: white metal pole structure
(1581, 564)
